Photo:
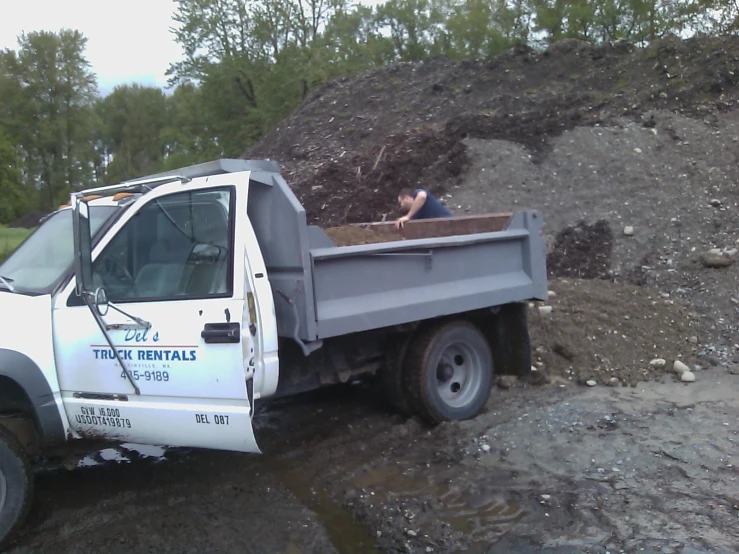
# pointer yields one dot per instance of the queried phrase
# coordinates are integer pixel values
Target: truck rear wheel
(16, 485)
(449, 372)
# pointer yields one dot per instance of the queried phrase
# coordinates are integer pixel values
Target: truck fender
(29, 377)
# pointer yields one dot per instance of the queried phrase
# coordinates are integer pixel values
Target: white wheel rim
(459, 375)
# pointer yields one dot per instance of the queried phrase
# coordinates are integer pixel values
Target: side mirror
(101, 302)
(82, 244)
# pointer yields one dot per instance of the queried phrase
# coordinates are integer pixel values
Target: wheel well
(17, 414)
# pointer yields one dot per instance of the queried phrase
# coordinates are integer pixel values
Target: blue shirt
(431, 208)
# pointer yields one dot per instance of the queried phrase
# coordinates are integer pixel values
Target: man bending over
(419, 204)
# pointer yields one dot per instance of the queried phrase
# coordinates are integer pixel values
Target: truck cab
(170, 356)
(175, 355)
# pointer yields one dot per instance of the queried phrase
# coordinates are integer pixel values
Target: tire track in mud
(379, 467)
(583, 470)
(563, 469)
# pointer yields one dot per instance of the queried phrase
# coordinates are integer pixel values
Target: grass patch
(10, 239)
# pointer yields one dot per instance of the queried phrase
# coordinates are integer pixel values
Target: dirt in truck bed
(632, 157)
(352, 235)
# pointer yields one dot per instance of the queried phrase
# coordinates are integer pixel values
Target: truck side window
(176, 247)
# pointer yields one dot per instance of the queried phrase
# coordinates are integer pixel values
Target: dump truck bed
(445, 266)
(431, 268)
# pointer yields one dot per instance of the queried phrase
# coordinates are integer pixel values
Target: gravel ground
(554, 468)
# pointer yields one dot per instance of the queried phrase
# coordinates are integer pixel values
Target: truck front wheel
(449, 372)
(16, 484)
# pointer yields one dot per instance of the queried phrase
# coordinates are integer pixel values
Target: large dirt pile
(631, 154)
(355, 142)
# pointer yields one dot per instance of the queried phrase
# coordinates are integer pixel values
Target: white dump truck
(160, 310)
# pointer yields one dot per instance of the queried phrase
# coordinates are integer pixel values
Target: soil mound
(355, 142)
(583, 251)
(363, 185)
(602, 330)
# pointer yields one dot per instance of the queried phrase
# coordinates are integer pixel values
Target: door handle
(219, 333)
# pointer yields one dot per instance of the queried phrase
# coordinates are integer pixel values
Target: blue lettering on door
(108, 354)
(140, 336)
(152, 355)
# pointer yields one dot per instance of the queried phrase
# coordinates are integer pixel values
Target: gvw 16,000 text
(108, 417)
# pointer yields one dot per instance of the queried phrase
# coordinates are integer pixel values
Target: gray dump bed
(322, 290)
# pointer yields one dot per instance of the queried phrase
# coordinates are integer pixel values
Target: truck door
(173, 272)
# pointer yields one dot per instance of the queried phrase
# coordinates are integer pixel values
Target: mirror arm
(89, 300)
(139, 322)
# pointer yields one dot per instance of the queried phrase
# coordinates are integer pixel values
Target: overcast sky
(126, 42)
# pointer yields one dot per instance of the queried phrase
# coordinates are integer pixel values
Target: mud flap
(510, 341)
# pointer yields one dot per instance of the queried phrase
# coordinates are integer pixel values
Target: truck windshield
(45, 257)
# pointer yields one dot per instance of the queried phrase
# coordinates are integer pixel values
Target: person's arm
(418, 203)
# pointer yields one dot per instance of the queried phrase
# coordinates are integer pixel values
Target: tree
(132, 120)
(352, 42)
(188, 135)
(58, 91)
(253, 62)
(10, 93)
(413, 26)
(481, 29)
(13, 201)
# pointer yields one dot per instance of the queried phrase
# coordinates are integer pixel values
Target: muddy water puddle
(372, 496)
(480, 510)
(466, 508)
(346, 533)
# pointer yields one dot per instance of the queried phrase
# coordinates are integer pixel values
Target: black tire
(449, 372)
(391, 377)
(16, 485)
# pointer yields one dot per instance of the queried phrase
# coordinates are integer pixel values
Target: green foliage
(52, 93)
(131, 120)
(413, 27)
(253, 63)
(10, 239)
(188, 136)
(481, 29)
(13, 201)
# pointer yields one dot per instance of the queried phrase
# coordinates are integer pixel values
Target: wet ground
(555, 468)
